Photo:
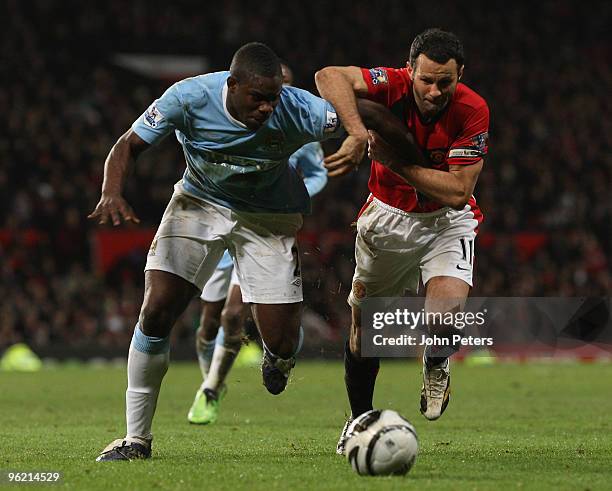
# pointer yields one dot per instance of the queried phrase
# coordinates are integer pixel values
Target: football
(381, 443)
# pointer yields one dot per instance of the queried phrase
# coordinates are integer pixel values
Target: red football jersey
(459, 136)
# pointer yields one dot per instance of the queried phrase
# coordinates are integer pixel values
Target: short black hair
(438, 45)
(255, 59)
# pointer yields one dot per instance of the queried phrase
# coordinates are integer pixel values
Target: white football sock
(205, 350)
(223, 359)
(148, 362)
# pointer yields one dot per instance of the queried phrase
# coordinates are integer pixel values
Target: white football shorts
(194, 233)
(394, 249)
(217, 287)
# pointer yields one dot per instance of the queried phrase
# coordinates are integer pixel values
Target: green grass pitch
(539, 426)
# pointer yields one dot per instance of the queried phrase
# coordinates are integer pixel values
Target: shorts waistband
(397, 211)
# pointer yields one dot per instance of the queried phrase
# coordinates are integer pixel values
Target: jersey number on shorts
(467, 246)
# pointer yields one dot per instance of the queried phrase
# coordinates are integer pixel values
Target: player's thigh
(267, 258)
(189, 241)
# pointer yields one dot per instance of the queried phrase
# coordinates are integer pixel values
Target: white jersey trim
(227, 113)
(397, 211)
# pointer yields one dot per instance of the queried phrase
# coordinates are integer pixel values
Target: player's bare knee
(166, 297)
(209, 327)
(157, 316)
(155, 323)
(232, 319)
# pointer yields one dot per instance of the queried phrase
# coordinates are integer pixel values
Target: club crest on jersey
(437, 155)
(331, 122)
(359, 289)
(153, 247)
(379, 76)
(152, 116)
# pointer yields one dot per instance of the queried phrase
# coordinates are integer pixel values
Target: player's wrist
(111, 194)
(360, 136)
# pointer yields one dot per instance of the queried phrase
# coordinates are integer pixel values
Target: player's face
(433, 84)
(252, 102)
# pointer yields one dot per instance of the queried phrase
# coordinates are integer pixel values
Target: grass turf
(507, 427)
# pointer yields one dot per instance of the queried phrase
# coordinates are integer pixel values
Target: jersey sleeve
(314, 118)
(308, 160)
(472, 143)
(385, 85)
(162, 117)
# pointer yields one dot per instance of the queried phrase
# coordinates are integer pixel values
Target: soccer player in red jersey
(421, 219)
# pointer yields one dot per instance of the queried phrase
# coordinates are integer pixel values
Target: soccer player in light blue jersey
(238, 129)
(222, 303)
(219, 336)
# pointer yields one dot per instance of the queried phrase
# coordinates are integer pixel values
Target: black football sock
(360, 378)
(437, 355)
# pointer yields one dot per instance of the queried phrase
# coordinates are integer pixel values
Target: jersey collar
(227, 113)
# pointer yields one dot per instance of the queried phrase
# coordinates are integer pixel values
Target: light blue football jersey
(308, 161)
(229, 164)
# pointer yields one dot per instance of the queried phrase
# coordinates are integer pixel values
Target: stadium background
(545, 190)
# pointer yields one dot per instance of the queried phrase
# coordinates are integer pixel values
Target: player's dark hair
(255, 59)
(438, 45)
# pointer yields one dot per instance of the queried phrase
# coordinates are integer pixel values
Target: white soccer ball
(380, 443)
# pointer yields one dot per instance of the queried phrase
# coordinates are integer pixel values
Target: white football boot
(342, 440)
(435, 393)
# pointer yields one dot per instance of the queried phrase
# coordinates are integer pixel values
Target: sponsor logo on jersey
(152, 116)
(331, 122)
(379, 76)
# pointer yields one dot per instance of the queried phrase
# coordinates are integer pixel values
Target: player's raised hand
(113, 208)
(347, 158)
(380, 150)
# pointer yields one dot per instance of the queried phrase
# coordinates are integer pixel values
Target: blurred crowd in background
(545, 189)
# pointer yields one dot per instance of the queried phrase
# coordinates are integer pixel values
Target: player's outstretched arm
(340, 86)
(112, 207)
(380, 119)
